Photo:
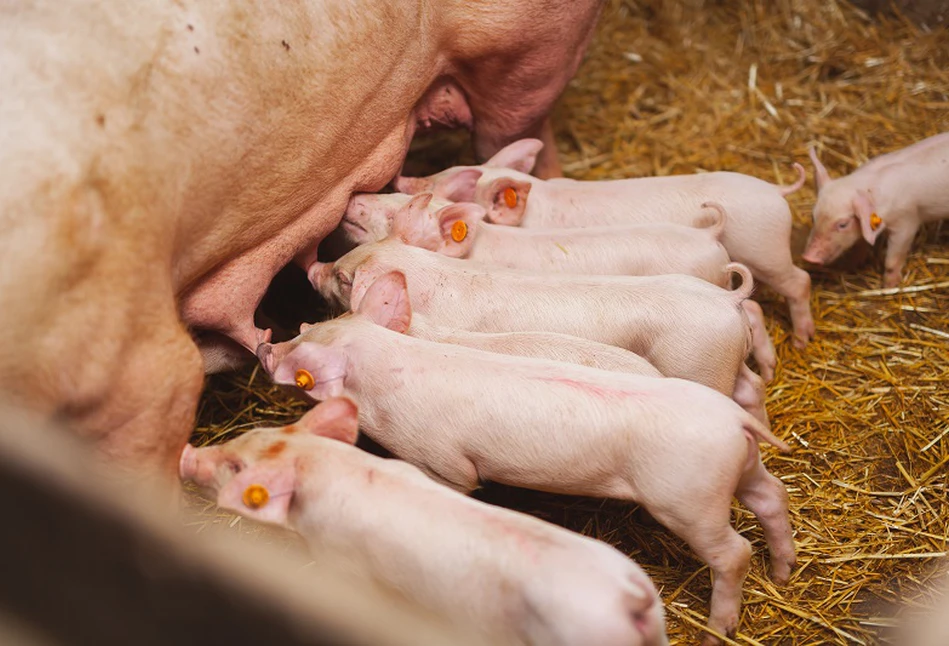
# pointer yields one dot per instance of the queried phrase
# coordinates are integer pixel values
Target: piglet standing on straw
(757, 232)
(540, 345)
(896, 192)
(505, 572)
(680, 449)
(684, 326)
(651, 249)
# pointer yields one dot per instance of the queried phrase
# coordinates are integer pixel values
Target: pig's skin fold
(162, 161)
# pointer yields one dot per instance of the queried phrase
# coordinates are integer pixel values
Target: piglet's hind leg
(762, 347)
(710, 534)
(767, 498)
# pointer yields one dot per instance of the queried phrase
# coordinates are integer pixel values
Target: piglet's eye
(235, 466)
(342, 278)
(843, 224)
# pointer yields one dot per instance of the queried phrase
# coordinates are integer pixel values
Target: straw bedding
(672, 86)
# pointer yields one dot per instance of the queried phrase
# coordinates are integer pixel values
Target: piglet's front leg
(897, 248)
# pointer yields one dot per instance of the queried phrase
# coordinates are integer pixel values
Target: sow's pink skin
(475, 563)
(462, 415)
(896, 192)
(259, 121)
(458, 230)
(684, 326)
(757, 232)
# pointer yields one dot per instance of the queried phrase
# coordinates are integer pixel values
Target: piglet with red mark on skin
(897, 192)
(458, 230)
(475, 563)
(757, 233)
(464, 416)
(684, 326)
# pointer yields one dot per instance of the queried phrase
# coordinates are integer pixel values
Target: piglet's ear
(520, 156)
(318, 370)
(458, 224)
(336, 418)
(505, 200)
(458, 185)
(417, 205)
(386, 302)
(820, 173)
(871, 224)
(262, 491)
(414, 224)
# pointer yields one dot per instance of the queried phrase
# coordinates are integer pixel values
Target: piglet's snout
(318, 273)
(813, 254)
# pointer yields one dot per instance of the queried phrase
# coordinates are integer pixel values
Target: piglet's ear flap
(412, 185)
(820, 173)
(417, 205)
(386, 302)
(459, 225)
(262, 491)
(415, 223)
(458, 185)
(336, 418)
(871, 224)
(520, 156)
(407, 219)
(505, 200)
(318, 370)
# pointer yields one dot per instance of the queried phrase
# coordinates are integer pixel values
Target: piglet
(682, 325)
(475, 563)
(896, 192)
(540, 345)
(520, 156)
(458, 230)
(757, 233)
(678, 448)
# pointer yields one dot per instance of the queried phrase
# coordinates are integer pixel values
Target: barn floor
(748, 85)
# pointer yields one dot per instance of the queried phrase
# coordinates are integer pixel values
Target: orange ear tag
(459, 231)
(875, 221)
(256, 496)
(510, 197)
(304, 379)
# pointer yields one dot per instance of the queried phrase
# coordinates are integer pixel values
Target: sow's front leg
(148, 415)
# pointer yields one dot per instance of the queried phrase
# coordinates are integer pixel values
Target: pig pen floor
(748, 86)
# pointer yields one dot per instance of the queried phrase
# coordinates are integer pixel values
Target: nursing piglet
(678, 448)
(896, 192)
(540, 345)
(682, 325)
(475, 563)
(458, 230)
(757, 232)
